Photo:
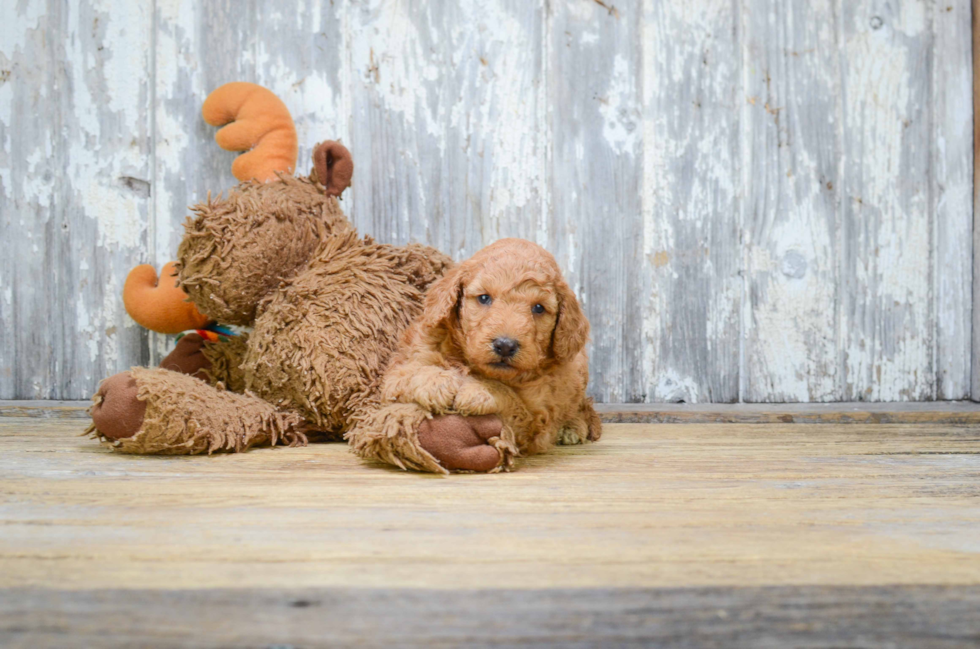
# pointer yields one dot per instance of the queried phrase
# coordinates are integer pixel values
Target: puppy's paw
(473, 398)
(467, 443)
(438, 396)
(572, 433)
(431, 388)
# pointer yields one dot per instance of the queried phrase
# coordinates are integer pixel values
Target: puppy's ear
(442, 301)
(571, 329)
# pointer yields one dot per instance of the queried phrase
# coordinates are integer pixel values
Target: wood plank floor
(756, 535)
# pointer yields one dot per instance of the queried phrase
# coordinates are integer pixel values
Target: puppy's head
(507, 312)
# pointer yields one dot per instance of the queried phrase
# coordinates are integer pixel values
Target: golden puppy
(495, 364)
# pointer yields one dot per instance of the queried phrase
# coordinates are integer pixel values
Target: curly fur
(447, 364)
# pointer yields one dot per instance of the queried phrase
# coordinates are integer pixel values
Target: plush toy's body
(326, 307)
(326, 310)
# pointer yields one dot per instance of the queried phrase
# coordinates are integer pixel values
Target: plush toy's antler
(260, 124)
(159, 305)
(257, 122)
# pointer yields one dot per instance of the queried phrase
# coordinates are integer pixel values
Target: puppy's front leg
(431, 387)
(474, 397)
(586, 425)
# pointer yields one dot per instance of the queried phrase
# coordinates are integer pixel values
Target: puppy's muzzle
(505, 347)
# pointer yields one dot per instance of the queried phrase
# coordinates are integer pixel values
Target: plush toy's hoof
(117, 413)
(188, 358)
(462, 443)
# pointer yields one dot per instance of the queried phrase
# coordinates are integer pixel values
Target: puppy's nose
(505, 347)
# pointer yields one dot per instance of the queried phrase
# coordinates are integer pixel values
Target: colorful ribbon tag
(212, 333)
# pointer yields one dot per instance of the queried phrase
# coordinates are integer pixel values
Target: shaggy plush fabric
(185, 416)
(319, 344)
(237, 250)
(390, 435)
(225, 362)
(326, 307)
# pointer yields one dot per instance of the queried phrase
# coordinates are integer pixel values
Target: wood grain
(887, 223)
(952, 196)
(704, 618)
(789, 413)
(650, 506)
(692, 248)
(446, 100)
(792, 111)
(75, 160)
(975, 361)
(596, 134)
(757, 201)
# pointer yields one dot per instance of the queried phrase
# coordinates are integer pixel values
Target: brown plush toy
(326, 309)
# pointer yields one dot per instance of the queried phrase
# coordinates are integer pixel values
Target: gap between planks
(937, 412)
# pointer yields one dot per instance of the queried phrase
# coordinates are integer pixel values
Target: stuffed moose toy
(319, 311)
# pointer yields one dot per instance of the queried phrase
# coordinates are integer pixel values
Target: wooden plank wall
(758, 200)
(976, 200)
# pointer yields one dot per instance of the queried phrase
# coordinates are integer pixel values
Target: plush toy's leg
(407, 436)
(156, 411)
(214, 363)
(225, 362)
(470, 443)
(187, 357)
(390, 435)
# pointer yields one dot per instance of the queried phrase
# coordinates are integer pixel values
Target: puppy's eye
(484, 299)
(537, 309)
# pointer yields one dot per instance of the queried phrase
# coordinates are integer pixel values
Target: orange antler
(260, 124)
(159, 305)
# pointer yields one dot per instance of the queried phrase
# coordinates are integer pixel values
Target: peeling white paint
(37, 186)
(620, 116)
(690, 227)
(74, 121)
(783, 214)
(890, 325)
(671, 387)
(393, 60)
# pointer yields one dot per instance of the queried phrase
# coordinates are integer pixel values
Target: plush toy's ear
(333, 166)
(159, 305)
(572, 328)
(259, 123)
(442, 301)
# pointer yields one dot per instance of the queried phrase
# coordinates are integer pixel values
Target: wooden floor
(675, 535)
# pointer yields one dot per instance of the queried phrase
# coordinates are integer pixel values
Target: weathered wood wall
(758, 200)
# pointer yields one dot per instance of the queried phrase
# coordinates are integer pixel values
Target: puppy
(497, 362)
